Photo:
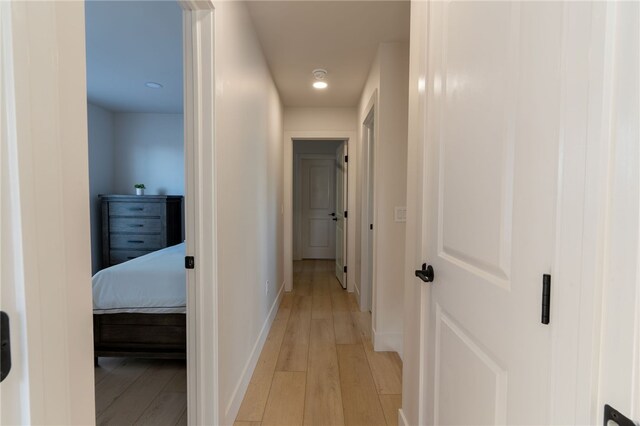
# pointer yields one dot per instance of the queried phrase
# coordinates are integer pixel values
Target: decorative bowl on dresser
(134, 225)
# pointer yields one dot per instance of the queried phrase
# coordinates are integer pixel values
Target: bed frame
(140, 335)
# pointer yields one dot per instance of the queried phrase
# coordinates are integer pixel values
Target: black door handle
(332, 214)
(426, 273)
(5, 346)
(335, 219)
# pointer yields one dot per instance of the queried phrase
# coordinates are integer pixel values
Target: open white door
(341, 214)
(45, 252)
(492, 116)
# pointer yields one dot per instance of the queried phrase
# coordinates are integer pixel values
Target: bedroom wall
(149, 149)
(249, 173)
(389, 75)
(101, 172)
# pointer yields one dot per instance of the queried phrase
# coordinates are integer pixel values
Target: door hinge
(345, 214)
(189, 262)
(345, 269)
(546, 298)
(5, 345)
(346, 158)
(611, 415)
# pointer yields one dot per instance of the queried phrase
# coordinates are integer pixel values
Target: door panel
(489, 201)
(475, 191)
(318, 203)
(341, 222)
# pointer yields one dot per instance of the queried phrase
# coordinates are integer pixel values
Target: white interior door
(341, 220)
(45, 273)
(489, 206)
(318, 208)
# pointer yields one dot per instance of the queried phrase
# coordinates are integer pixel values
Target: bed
(140, 307)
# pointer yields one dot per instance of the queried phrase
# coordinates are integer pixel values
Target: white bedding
(153, 283)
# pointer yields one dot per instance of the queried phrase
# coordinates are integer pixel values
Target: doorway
(320, 197)
(368, 213)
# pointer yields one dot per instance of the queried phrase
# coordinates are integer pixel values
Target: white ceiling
(128, 44)
(339, 36)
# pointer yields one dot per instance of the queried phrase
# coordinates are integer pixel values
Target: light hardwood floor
(318, 366)
(141, 392)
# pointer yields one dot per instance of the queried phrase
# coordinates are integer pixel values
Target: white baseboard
(233, 407)
(402, 420)
(388, 342)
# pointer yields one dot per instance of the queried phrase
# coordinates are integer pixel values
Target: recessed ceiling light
(153, 85)
(319, 74)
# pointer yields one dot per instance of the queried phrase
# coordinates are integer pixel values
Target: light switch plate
(400, 214)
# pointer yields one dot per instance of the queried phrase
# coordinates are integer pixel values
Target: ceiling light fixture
(319, 74)
(153, 85)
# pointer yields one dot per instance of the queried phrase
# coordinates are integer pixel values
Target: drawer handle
(136, 225)
(136, 209)
(135, 241)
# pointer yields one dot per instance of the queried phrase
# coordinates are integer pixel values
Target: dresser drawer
(120, 256)
(136, 241)
(135, 209)
(135, 224)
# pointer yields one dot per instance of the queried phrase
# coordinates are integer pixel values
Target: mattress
(154, 283)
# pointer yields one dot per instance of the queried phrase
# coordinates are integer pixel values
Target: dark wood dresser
(134, 225)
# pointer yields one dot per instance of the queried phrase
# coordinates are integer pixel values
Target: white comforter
(153, 283)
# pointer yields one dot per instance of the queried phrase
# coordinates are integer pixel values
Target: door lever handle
(335, 219)
(426, 274)
(332, 214)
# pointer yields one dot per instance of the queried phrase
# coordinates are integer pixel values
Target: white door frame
(203, 400)
(368, 239)
(44, 99)
(349, 137)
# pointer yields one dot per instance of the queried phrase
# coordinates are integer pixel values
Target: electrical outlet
(266, 288)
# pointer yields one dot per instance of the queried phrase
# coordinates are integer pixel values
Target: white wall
(389, 75)
(249, 194)
(318, 124)
(129, 148)
(319, 119)
(149, 149)
(101, 176)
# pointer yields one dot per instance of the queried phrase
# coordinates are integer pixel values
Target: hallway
(318, 365)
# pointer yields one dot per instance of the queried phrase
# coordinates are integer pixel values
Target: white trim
(289, 136)
(370, 116)
(402, 420)
(231, 411)
(385, 341)
(200, 207)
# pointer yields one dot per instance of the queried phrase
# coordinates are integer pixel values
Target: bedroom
(135, 126)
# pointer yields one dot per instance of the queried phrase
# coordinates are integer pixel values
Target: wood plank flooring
(141, 392)
(318, 366)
